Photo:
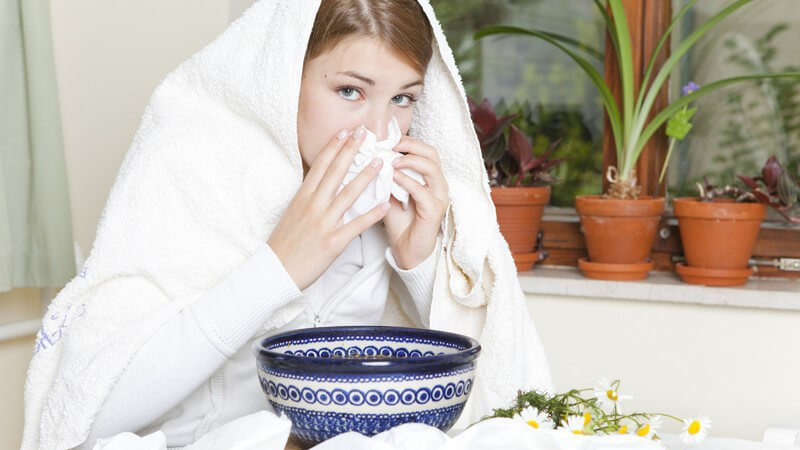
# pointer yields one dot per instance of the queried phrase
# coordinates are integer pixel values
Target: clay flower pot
(519, 214)
(619, 235)
(718, 239)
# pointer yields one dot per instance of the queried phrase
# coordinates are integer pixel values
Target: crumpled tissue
(262, 430)
(382, 186)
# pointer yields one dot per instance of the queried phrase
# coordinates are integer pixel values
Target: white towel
(211, 169)
(382, 186)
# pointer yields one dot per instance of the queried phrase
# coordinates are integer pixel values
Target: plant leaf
(667, 112)
(519, 147)
(625, 62)
(651, 64)
(632, 153)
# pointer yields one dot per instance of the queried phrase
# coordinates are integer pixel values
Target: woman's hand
(412, 232)
(310, 234)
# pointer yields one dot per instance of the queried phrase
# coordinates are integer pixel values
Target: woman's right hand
(311, 234)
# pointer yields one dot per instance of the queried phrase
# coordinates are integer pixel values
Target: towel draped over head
(211, 169)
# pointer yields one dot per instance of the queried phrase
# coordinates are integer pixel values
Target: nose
(378, 123)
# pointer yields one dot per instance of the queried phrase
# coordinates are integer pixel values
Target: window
(561, 101)
(738, 128)
(565, 105)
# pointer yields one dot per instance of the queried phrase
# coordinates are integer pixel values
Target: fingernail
(385, 206)
(375, 162)
(342, 134)
(359, 131)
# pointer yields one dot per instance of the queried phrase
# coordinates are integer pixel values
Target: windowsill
(781, 294)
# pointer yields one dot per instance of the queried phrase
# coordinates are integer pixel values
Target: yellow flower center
(586, 418)
(694, 428)
(623, 429)
(577, 432)
(612, 395)
(533, 423)
(644, 431)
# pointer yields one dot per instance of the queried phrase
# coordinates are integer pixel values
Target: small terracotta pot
(619, 232)
(717, 236)
(519, 214)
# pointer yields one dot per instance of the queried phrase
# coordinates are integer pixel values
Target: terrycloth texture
(382, 186)
(213, 166)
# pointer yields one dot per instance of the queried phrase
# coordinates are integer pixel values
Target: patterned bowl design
(330, 380)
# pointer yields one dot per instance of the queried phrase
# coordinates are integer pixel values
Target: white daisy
(573, 424)
(647, 429)
(535, 418)
(608, 395)
(695, 430)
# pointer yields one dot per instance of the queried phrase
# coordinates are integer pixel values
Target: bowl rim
(367, 365)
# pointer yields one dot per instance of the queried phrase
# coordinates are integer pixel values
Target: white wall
(110, 55)
(739, 366)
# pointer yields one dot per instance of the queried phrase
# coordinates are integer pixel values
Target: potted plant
(620, 225)
(719, 228)
(519, 180)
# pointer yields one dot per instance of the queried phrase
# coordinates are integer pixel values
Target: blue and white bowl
(331, 380)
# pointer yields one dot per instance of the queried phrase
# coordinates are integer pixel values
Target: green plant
(631, 126)
(509, 160)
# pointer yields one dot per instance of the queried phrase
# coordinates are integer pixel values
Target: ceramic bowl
(331, 380)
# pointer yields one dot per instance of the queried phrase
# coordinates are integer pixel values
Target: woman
(225, 224)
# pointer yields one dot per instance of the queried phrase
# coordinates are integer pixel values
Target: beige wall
(110, 55)
(17, 305)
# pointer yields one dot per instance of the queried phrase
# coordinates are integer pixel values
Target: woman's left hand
(412, 232)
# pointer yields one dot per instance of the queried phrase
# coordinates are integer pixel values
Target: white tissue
(130, 441)
(382, 186)
(261, 430)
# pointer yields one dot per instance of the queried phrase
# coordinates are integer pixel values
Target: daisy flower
(535, 418)
(624, 429)
(647, 429)
(573, 424)
(695, 430)
(608, 395)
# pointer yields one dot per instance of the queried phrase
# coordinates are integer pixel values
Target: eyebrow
(370, 82)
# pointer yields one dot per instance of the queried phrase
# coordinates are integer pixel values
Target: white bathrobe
(211, 169)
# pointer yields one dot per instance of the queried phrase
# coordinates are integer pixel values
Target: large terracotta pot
(519, 214)
(619, 235)
(718, 239)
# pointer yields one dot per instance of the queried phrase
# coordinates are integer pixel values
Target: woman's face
(357, 82)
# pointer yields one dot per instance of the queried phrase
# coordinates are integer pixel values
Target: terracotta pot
(718, 239)
(619, 232)
(519, 214)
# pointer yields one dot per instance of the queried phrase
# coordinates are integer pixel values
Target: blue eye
(407, 103)
(348, 90)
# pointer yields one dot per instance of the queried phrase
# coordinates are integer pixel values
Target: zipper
(327, 308)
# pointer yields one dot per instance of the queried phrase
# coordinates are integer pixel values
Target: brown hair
(400, 24)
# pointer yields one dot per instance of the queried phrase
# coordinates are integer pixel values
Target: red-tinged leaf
(748, 181)
(761, 197)
(483, 116)
(499, 127)
(519, 146)
(772, 173)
